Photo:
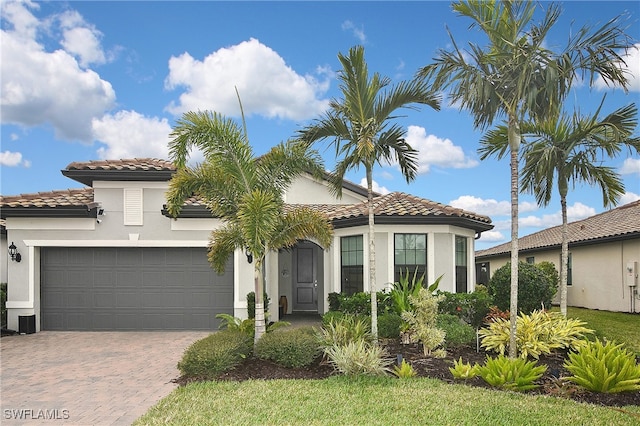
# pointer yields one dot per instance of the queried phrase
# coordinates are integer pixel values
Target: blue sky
(106, 80)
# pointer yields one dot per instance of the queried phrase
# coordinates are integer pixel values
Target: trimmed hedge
(291, 348)
(389, 325)
(535, 287)
(219, 352)
(458, 332)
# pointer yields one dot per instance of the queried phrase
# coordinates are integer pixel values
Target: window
(351, 259)
(531, 260)
(569, 269)
(410, 253)
(461, 265)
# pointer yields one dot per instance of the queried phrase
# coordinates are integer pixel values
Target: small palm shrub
(358, 358)
(539, 333)
(511, 373)
(535, 287)
(422, 321)
(463, 371)
(348, 328)
(219, 352)
(389, 325)
(457, 332)
(404, 370)
(606, 368)
(291, 348)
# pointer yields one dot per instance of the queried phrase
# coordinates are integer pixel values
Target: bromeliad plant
(539, 333)
(606, 368)
(511, 373)
(463, 371)
(404, 370)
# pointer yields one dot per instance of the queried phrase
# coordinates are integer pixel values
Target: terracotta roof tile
(133, 164)
(69, 197)
(618, 222)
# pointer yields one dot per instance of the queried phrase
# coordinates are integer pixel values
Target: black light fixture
(249, 255)
(13, 252)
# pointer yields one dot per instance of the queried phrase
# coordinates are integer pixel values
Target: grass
(618, 326)
(371, 401)
(381, 401)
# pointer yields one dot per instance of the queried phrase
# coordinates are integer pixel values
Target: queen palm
(564, 150)
(517, 77)
(360, 128)
(244, 191)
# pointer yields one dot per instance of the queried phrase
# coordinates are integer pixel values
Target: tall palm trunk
(564, 257)
(260, 326)
(514, 144)
(372, 255)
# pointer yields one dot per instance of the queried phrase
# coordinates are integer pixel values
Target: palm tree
(518, 77)
(361, 130)
(245, 192)
(563, 151)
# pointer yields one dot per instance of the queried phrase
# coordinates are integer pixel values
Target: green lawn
(618, 326)
(385, 401)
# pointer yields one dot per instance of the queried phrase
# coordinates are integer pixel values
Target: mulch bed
(550, 383)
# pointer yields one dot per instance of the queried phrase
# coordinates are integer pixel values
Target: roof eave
(87, 177)
(48, 211)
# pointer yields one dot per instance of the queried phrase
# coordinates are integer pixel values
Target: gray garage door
(132, 289)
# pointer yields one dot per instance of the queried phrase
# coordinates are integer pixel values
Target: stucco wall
(304, 190)
(598, 280)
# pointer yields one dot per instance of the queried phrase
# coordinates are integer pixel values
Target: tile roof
(621, 222)
(133, 164)
(68, 197)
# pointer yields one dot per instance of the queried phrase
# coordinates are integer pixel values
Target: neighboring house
(108, 256)
(601, 249)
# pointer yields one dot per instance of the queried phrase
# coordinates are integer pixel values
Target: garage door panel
(132, 289)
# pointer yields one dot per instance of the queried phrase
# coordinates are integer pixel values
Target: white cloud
(267, 85)
(40, 87)
(129, 134)
(81, 39)
(358, 32)
(630, 166)
(489, 207)
(433, 151)
(631, 65)
(575, 212)
(491, 236)
(375, 186)
(628, 197)
(13, 159)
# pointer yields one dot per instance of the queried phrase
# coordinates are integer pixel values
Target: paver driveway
(87, 378)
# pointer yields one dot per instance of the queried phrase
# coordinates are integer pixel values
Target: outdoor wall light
(13, 252)
(249, 255)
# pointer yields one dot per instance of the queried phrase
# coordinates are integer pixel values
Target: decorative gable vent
(133, 206)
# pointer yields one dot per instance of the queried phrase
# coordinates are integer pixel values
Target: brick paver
(87, 378)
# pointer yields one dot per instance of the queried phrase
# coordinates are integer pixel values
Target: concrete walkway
(87, 378)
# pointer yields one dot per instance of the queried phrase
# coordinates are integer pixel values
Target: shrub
(534, 288)
(219, 352)
(457, 332)
(292, 348)
(358, 358)
(536, 334)
(247, 326)
(472, 308)
(461, 370)
(422, 321)
(389, 325)
(334, 301)
(404, 370)
(604, 368)
(3, 305)
(513, 374)
(332, 316)
(251, 304)
(347, 329)
(406, 286)
(356, 304)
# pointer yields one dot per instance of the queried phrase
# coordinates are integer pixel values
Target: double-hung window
(410, 254)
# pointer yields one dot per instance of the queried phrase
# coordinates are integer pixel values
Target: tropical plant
(215, 354)
(604, 368)
(246, 326)
(244, 191)
(292, 348)
(422, 319)
(516, 76)
(343, 330)
(513, 374)
(564, 150)
(464, 371)
(539, 333)
(405, 286)
(535, 290)
(404, 370)
(361, 129)
(358, 358)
